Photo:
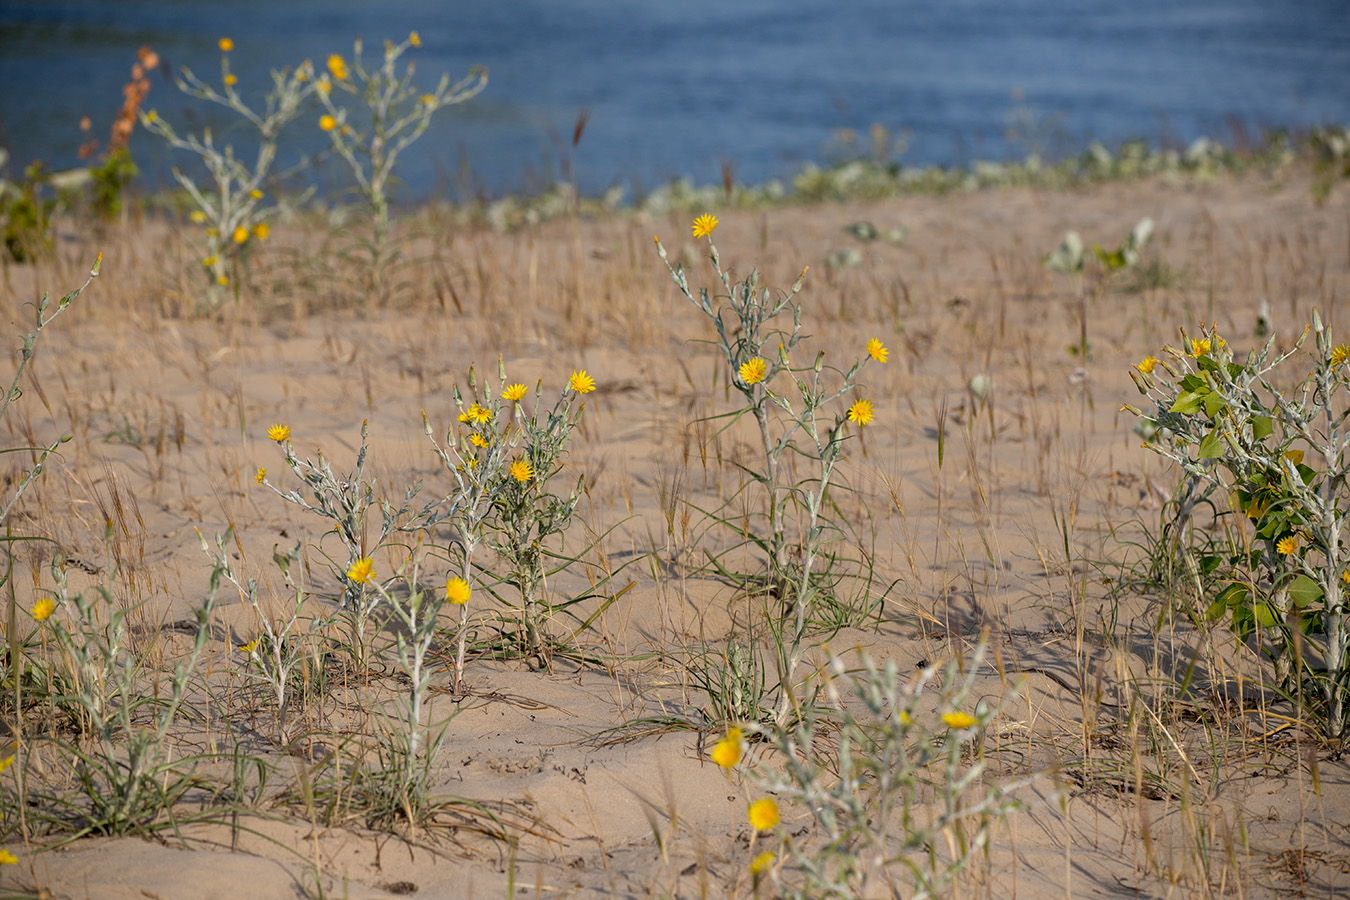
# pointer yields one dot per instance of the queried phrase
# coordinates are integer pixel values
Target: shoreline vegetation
(860, 178)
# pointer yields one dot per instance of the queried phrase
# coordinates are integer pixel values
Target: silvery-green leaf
(863, 231)
(1068, 256)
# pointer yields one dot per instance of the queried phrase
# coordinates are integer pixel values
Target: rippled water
(678, 88)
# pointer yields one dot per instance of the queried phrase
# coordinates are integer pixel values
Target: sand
(169, 414)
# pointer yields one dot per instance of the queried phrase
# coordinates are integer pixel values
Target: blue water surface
(681, 89)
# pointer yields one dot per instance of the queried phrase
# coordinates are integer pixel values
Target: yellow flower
(249, 647)
(514, 392)
(198, 217)
(225, 45)
(760, 863)
(327, 123)
(240, 234)
(261, 231)
(764, 814)
(861, 412)
(752, 371)
(877, 350)
(427, 99)
(1147, 364)
(415, 39)
(261, 476)
(231, 80)
(1340, 354)
(581, 382)
(480, 414)
(7, 858)
(521, 470)
(457, 591)
(478, 440)
(704, 225)
(210, 261)
(42, 610)
(727, 752)
(1200, 346)
(1286, 545)
(958, 720)
(7, 761)
(362, 571)
(1345, 576)
(338, 66)
(464, 417)
(255, 194)
(222, 280)
(152, 116)
(279, 433)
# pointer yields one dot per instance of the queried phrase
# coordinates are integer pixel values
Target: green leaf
(1211, 446)
(1214, 403)
(1264, 614)
(1195, 383)
(1262, 427)
(1188, 403)
(1306, 473)
(1304, 592)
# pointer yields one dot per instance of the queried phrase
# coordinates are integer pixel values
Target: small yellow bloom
(261, 476)
(1200, 347)
(1147, 364)
(514, 392)
(362, 571)
(327, 123)
(958, 720)
(480, 414)
(464, 417)
(249, 647)
(861, 412)
(338, 66)
(727, 752)
(877, 350)
(415, 39)
(231, 80)
(222, 280)
(225, 45)
(581, 382)
(1286, 545)
(255, 194)
(478, 440)
(197, 217)
(210, 261)
(7, 858)
(521, 470)
(261, 231)
(279, 433)
(752, 371)
(7, 762)
(152, 116)
(427, 99)
(1340, 354)
(1345, 576)
(42, 610)
(457, 591)
(761, 863)
(704, 225)
(240, 234)
(764, 814)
